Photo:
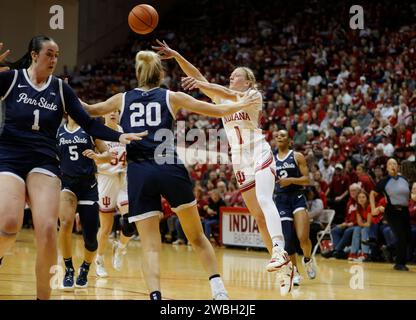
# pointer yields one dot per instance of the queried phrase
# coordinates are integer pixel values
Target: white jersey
(242, 127)
(118, 162)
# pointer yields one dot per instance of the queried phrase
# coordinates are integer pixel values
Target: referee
(397, 191)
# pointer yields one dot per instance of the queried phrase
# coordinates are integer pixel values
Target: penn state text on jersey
(33, 115)
(288, 168)
(71, 144)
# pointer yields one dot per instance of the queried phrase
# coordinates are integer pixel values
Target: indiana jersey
(32, 115)
(71, 144)
(287, 168)
(149, 110)
(118, 161)
(242, 127)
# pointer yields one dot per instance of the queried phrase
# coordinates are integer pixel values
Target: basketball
(143, 19)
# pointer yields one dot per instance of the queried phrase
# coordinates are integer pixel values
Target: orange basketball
(143, 19)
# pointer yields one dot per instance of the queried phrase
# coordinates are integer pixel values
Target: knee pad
(128, 229)
(289, 235)
(88, 215)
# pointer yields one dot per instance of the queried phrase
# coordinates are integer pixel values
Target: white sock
(265, 183)
(217, 285)
(278, 242)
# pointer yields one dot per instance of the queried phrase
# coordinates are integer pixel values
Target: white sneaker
(178, 242)
(310, 268)
(99, 267)
(118, 254)
(286, 276)
(221, 295)
(296, 277)
(279, 259)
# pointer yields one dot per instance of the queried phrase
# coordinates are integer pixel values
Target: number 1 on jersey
(35, 125)
(240, 138)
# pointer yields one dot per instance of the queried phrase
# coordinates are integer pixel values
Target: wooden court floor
(184, 278)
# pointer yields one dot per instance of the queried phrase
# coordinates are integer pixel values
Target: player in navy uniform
(292, 174)
(154, 169)
(79, 191)
(34, 102)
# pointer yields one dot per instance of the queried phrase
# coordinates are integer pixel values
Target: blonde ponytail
(148, 69)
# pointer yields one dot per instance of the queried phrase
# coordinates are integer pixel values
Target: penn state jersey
(71, 144)
(287, 168)
(32, 115)
(149, 110)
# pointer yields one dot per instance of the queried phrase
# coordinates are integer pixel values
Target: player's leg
(12, 205)
(107, 193)
(151, 245)
(44, 196)
(177, 190)
(88, 213)
(67, 209)
(120, 246)
(253, 206)
(191, 225)
(301, 221)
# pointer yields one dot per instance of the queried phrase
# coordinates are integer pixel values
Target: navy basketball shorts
(288, 204)
(84, 188)
(147, 181)
(20, 163)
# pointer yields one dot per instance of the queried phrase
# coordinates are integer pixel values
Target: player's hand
(90, 154)
(164, 51)
(284, 182)
(126, 138)
(3, 57)
(189, 83)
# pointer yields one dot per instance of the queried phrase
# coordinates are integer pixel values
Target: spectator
(361, 232)
(315, 209)
(327, 171)
(364, 179)
(215, 202)
(364, 118)
(337, 192)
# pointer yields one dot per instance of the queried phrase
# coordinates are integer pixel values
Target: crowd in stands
(346, 97)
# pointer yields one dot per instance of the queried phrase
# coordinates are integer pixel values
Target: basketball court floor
(183, 277)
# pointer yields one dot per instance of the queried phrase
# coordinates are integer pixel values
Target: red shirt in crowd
(378, 218)
(351, 213)
(366, 182)
(339, 184)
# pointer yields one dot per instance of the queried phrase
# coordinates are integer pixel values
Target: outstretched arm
(211, 89)
(92, 126)
(180, 100)
(101, 108)
(102, 156)
(165, 52)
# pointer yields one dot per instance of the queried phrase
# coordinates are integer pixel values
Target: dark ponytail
(34, 45)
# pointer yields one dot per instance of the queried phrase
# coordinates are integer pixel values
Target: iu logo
(240, 177)
(106, 201)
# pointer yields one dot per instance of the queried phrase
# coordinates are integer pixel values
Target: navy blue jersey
(33, 115)
(71, 144)
(287, 168)
(149, 110)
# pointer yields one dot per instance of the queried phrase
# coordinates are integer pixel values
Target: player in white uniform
(112, 192)
(253, 161)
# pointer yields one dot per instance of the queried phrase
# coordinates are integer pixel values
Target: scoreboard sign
(238, 228)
